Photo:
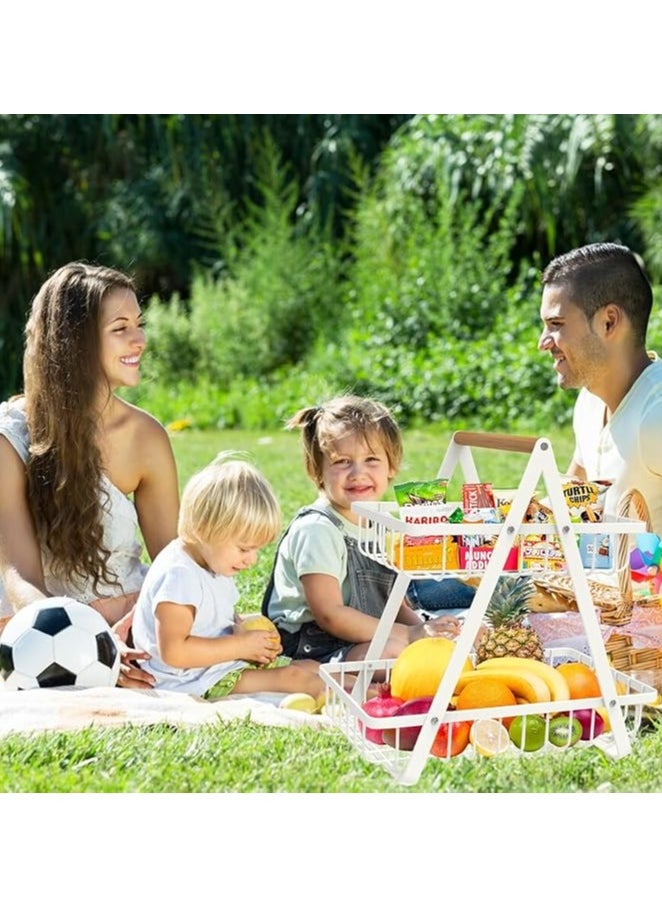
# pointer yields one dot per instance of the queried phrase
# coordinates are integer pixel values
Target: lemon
(489, 737)
(300, 702)
(528, 732)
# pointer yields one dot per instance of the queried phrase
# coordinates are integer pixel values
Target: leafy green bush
(253, 403)
(425, 266)
(279, 292)
(284, 289)
(495, 382)
(173, 351)
(431, 306)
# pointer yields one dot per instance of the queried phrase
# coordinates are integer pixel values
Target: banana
(522, 682)
(558, 685)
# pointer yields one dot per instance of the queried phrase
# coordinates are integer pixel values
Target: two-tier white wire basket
(383, 536)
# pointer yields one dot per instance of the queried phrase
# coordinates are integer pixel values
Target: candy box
(432, 515)
(428, 552)
(541, 552)
(477, 496)
(477, 557)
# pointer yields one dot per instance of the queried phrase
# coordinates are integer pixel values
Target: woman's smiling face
(122, 338)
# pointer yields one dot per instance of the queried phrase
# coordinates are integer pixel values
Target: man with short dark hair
(596, 303)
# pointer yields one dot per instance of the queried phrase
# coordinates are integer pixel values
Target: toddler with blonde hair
(185, 616)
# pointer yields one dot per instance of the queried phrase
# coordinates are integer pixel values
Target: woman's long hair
(62, 376)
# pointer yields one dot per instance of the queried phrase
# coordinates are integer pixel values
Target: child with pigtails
(324, 595)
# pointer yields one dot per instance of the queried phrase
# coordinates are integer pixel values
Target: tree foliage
(156, 194)
(290, 256)
(578, 174)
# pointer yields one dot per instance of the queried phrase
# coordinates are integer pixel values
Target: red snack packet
(477, 496)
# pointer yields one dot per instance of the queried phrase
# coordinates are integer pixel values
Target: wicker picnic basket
(625, 657)
(554, 591)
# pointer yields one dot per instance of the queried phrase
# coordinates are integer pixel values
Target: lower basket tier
(525, 728)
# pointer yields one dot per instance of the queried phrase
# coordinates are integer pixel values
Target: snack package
(597, 551)
(478, 506)
(474, 550)
(541, 552)
(479, 517)
(477, 557)
(503, 498)
(427, 552)
(429, 491)
(477, 496)
(536, 512)
(431, 514)
(585, 500)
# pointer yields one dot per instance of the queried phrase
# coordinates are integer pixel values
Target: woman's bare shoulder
(140, 423)
(140, 443)
(139, 449)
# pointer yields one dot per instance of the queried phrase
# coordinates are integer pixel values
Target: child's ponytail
(307, 421)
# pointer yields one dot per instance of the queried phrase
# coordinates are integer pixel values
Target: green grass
(239, 756)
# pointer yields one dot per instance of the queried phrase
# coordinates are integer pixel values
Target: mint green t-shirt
(313, 544)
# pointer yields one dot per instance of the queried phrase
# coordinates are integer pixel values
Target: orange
(483, 693)
(486, 693)
(582, 680)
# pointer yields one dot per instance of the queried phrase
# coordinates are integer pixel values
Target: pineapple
(505, 618)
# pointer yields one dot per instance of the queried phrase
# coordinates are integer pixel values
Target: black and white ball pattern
(58, 642)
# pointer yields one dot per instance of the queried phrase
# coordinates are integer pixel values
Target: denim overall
(370, 585)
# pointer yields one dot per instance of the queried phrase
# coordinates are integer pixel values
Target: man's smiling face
(579, 354)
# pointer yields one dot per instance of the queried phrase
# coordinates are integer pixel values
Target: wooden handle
(494, 441)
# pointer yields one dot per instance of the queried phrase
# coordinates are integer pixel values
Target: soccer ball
(58, 642)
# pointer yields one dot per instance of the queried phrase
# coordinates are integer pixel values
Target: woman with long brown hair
(80, 468)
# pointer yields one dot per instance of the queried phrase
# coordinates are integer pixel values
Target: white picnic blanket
(71, 708)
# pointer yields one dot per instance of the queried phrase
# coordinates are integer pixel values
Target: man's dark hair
(603, 273)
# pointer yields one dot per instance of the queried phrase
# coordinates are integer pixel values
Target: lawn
(242, 757)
